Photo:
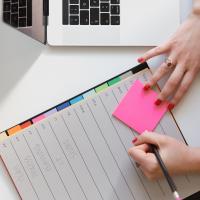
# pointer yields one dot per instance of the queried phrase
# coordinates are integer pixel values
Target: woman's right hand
(177, 156)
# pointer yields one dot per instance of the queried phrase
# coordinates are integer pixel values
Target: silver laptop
(94, 22)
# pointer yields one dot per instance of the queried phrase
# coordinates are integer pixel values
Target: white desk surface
(34, 77)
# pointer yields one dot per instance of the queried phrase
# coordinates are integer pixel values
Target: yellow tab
(14, 130)
(3, 136)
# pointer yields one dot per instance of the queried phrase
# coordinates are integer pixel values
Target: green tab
(114, 81)
(101, 88)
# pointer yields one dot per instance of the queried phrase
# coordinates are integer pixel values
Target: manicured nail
(158, 102)
(171, 106)
(134, 140)
(146, 87)
(141, 60)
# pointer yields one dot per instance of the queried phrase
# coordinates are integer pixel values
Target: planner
(80, 152)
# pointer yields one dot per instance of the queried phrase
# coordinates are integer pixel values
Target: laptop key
(14, 20)
(22, 3)
(115, 10)
(94, 3)
(6, 6)
(115, 1)
(74, 20)
(84, 4)
(84, 17)
(14, 8)
(74, 9)
(94, 16)
(104, 7)
(22, 12)
(115, 20)
(6, 17)
(105, 18)
(22, 22)
(74, 1)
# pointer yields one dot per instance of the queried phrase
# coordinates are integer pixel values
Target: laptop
(94, 22)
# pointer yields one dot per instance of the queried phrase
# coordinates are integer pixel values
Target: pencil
(166, 173)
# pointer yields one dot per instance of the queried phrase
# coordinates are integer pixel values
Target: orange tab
(13, 130)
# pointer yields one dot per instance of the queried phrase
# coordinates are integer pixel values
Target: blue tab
(62, 106)
(76, 99)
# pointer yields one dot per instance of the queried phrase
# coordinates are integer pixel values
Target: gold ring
(169, 63)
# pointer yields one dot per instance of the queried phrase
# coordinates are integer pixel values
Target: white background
(34, 77)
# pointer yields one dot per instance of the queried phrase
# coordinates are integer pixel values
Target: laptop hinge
(45, 18)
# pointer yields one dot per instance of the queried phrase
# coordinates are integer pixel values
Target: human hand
(183, 51)
(177, 156)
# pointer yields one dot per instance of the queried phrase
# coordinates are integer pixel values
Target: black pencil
(166, 173)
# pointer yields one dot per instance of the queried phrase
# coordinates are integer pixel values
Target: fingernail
(141, 60)
(158, 102)
(134, 140)
(147, 87)
(171, 106)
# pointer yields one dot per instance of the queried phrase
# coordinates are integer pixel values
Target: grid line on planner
(62, 142)
(31, 167)
(117, 133)
(53, 164)
(100, 144)
(121, 143)
(17, 172)
(68, 160)
(39, 167)
(97, 155)
(24, 169)
(113, 157)
(82, 158)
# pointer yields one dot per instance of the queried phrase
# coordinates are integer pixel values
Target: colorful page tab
(138, 110)
(14, 130)
(76, 99)
(62, 106)
(38, 118)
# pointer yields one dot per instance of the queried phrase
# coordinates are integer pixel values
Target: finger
(160, 72)
(184, 86)
(172, 83)
(155, 52)
(143, 147)
(149, 138)
(138, 155)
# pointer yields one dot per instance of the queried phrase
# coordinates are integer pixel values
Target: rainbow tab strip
(64, 105)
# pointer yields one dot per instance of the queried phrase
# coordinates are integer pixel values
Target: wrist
(194, 160)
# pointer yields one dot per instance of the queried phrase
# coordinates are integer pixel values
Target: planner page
(80, 153)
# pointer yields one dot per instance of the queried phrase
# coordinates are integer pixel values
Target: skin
(183, 48)
(177, 156)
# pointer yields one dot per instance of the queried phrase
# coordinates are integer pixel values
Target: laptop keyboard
(91, 12)
(17, 13)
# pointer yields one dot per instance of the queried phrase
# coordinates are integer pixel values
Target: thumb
(149, 138)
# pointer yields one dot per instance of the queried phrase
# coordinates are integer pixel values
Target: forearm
(196, 7)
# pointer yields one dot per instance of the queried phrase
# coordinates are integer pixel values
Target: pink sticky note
(138, 110)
